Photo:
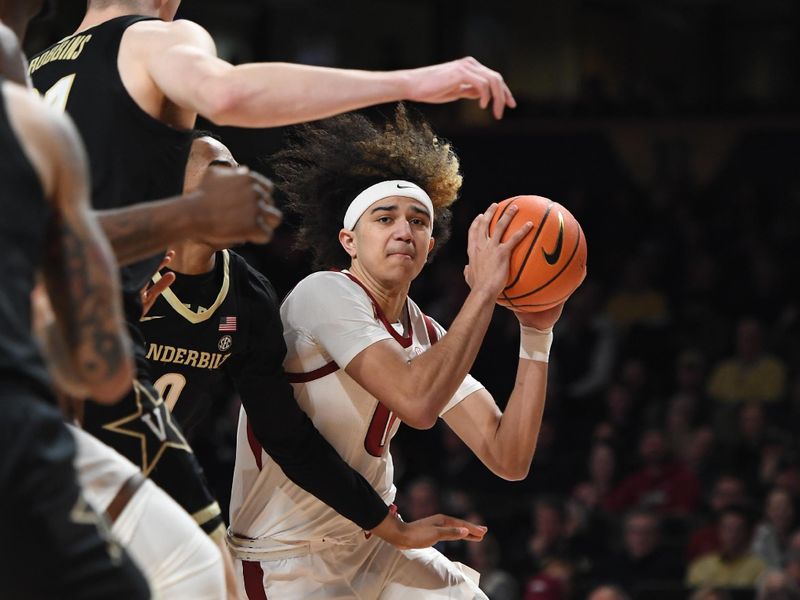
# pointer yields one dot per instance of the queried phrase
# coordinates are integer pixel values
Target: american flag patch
(227, 324)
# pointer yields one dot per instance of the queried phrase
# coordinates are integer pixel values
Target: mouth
(402, 255)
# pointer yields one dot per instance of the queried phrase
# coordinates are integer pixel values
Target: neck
(192, 258)
(391, 298)
(96, 16)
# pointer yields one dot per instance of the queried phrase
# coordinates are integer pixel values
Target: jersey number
(378, 432)
(57, 95)
(169, 386)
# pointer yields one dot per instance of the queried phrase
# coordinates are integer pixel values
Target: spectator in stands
(752, 374)
(729, 490)
(662, 484)
(643, 562)
(485, 558)
(733, 565)
(771, 538)
(608, 592)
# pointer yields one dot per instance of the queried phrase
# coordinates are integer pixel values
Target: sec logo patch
(225, 343)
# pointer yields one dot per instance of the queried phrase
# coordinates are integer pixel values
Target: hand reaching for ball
(488, 253)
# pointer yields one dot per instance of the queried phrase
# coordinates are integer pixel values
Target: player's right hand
(426, 532)
(488, 256)
(462, 78)
(233, 206)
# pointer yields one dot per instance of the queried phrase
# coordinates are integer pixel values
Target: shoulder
(170, 33)
(250, 282)
(326, 285)
(323, 296)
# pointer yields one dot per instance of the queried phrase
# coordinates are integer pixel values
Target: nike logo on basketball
(552, 257)
(151, 318)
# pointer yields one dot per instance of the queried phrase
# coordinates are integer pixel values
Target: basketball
(550, 262)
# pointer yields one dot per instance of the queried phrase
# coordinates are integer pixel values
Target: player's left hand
(544, 319)
(151, 291)
(426, 532)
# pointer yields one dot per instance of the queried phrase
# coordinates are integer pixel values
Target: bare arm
(182, 62)
(506, 442)
(418, 390)
(230, 207)
(79, 269)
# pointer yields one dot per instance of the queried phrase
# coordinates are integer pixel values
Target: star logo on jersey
(225, 343)
(154, 428)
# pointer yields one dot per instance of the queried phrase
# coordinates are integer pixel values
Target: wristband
(534, 344)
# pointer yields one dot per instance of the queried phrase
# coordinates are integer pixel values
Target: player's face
(205, 152)
(391, 240)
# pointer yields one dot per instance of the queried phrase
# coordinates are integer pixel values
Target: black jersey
(199, 329)
(209, 336)
(134, 157)
(26, 213)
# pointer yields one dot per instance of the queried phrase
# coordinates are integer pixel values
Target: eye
(384, 219)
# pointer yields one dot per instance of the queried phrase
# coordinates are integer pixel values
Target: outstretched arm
(230, 207)
(182, 62)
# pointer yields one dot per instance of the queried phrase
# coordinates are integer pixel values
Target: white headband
(384, 189)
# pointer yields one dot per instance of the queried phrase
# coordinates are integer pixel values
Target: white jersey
(328, 319)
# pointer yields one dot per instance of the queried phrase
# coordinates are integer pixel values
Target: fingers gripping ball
(550, 262)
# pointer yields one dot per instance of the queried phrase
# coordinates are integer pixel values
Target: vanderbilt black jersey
(210, 336)
(199, 331)
(134, 157)
(26, 214)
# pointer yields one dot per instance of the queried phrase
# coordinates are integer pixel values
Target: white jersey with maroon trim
(328, 319)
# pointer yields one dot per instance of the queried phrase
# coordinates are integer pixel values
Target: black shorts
(141, 428)
(54, 544)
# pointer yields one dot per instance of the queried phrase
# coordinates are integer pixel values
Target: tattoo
(77, 271)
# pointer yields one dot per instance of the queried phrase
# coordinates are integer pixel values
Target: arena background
(671, 129)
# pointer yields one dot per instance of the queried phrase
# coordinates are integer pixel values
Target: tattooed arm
(79, 269)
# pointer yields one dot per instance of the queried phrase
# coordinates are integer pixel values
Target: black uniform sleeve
(285, 432)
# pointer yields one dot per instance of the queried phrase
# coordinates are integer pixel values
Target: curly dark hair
(328, 163)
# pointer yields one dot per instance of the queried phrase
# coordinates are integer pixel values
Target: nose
(403, 231)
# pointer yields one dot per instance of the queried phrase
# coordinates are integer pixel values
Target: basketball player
(128, 75)
(364, 357)
(48, 227)
(217, 331)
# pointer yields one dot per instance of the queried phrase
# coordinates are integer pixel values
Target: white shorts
(179, 560)
(367, 569)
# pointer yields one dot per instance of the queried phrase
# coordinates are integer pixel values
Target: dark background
(671, 130)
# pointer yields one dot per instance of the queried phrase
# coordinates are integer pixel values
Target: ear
(431, 244)
(347, 239)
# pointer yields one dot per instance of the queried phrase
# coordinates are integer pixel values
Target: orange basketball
(550, 262)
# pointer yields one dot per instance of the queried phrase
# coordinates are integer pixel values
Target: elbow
(514, 470)
(420, 421)
(421, 417)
